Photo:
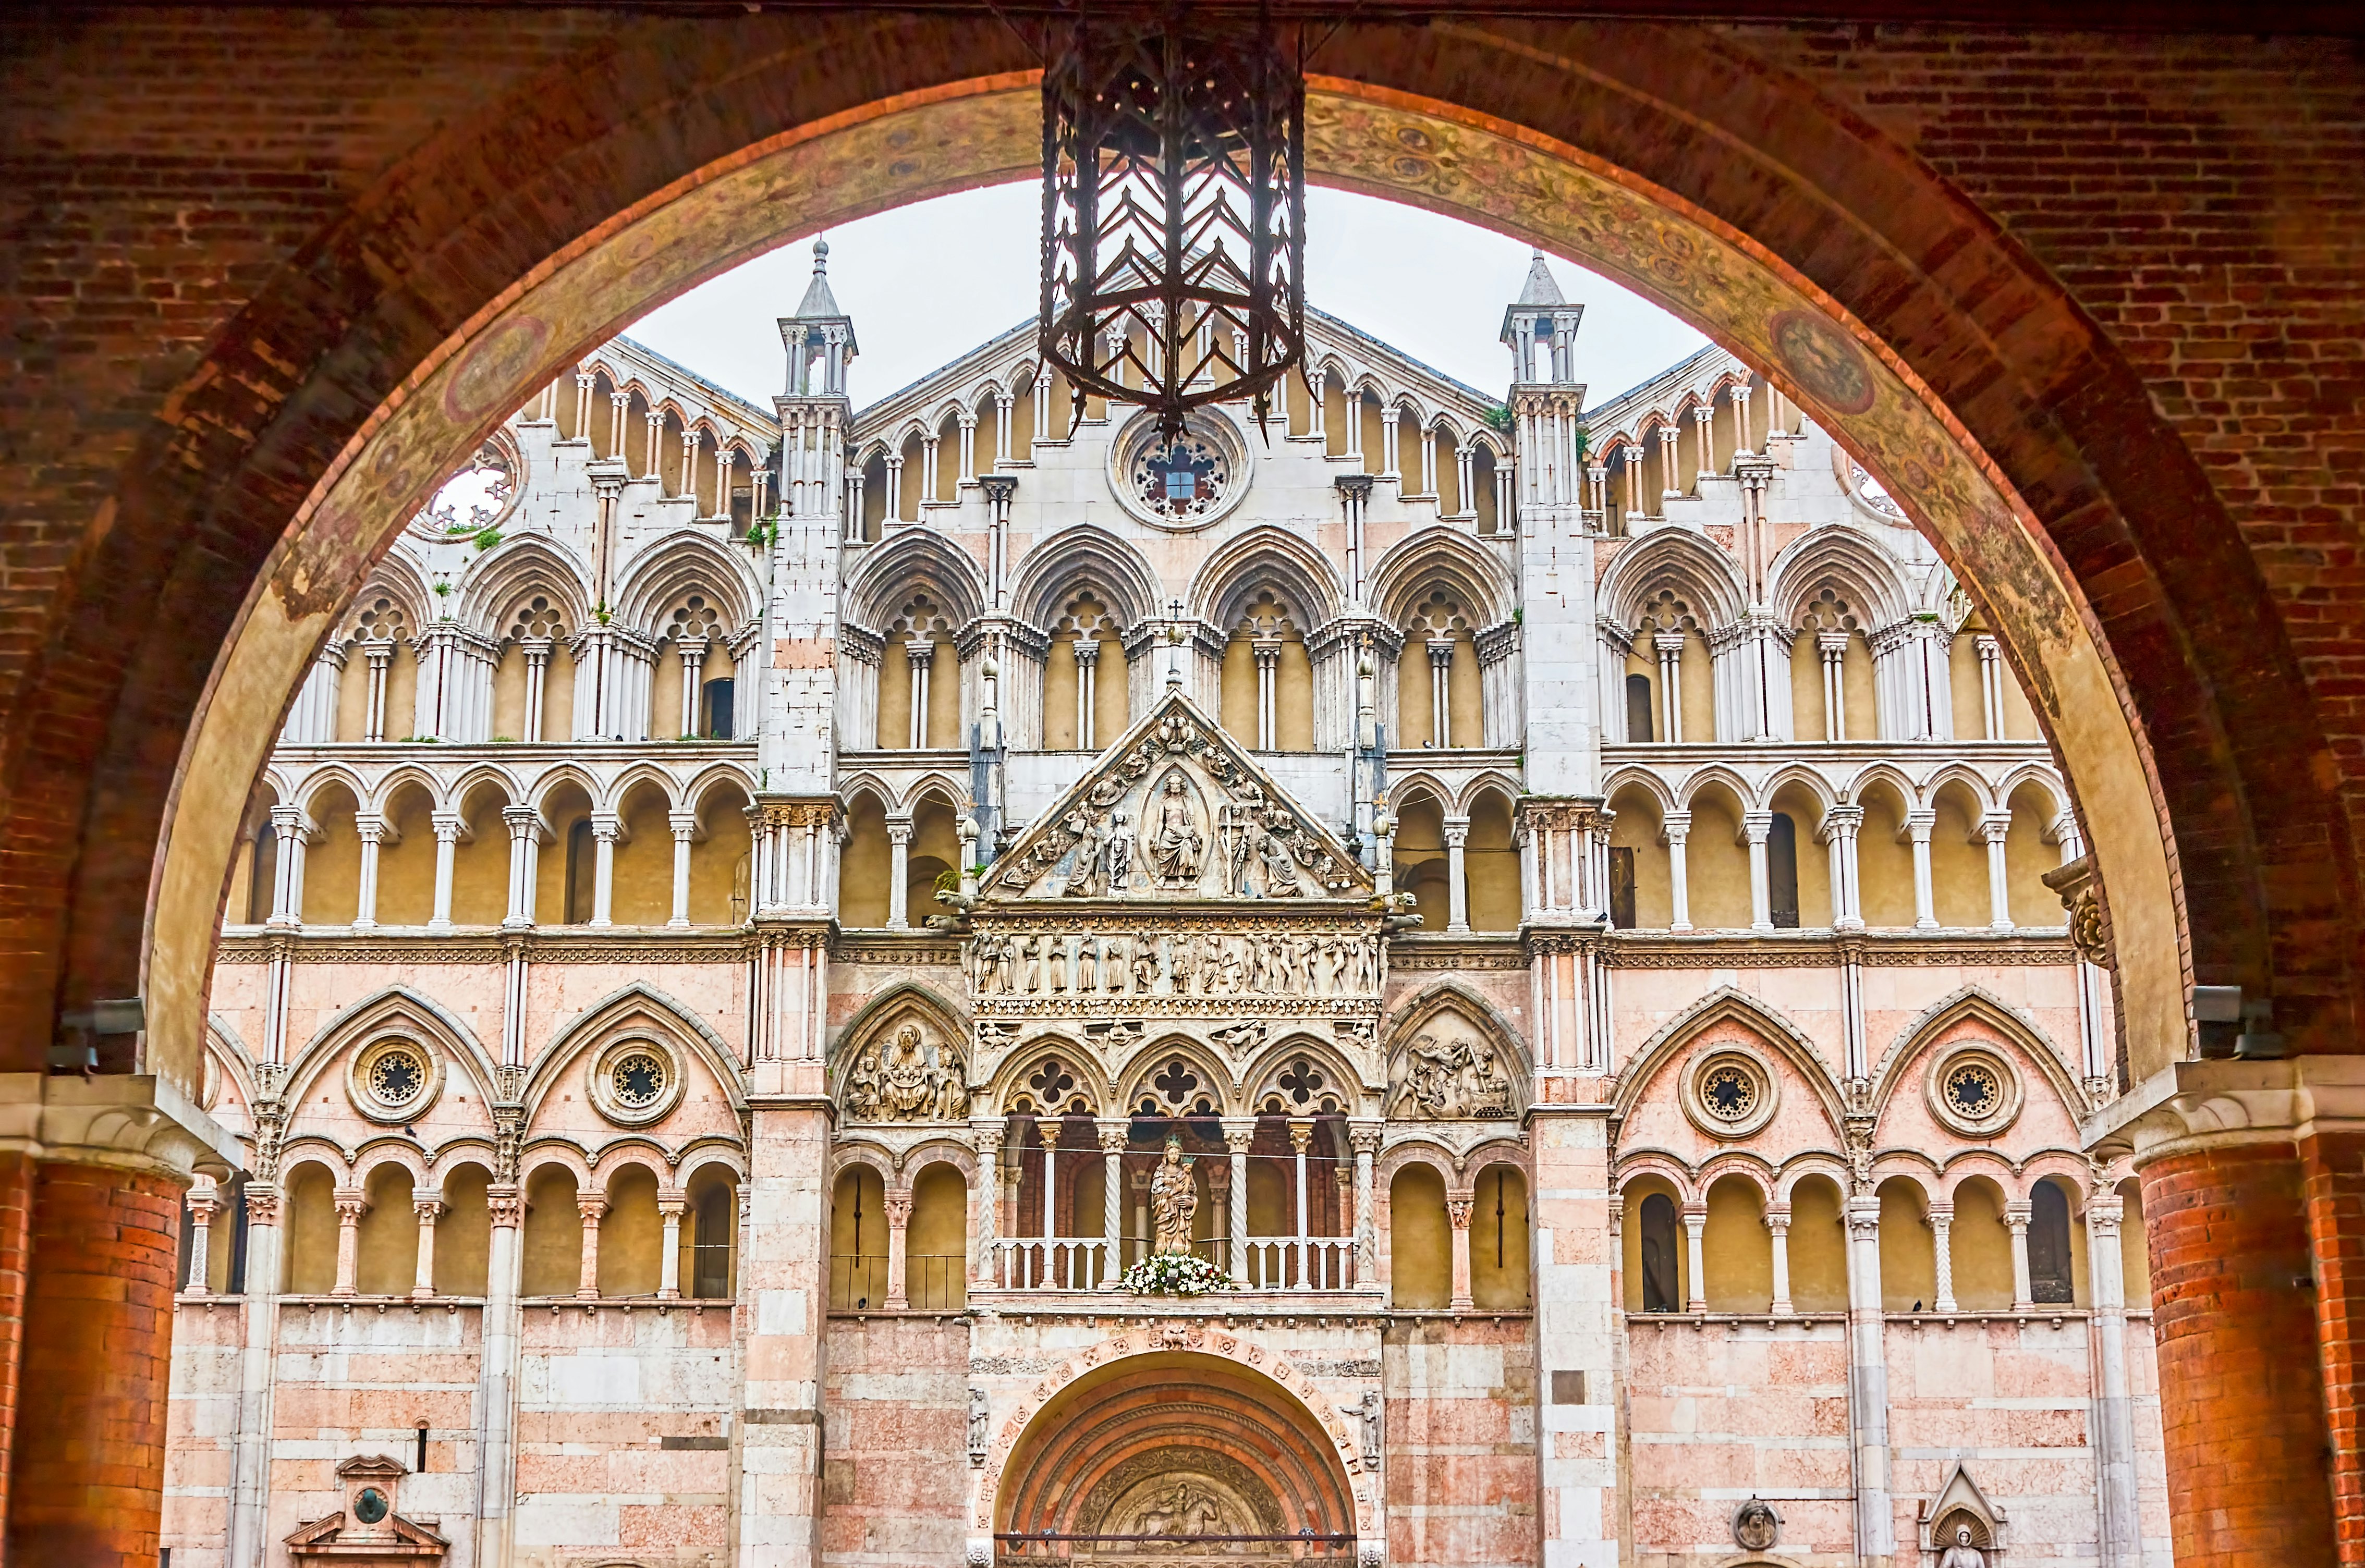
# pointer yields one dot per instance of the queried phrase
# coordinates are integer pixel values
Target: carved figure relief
(1175, 849)
(1961, 1552)
(912, 1082)
(1143, 962)
(1455, 1078)
(1178, 813)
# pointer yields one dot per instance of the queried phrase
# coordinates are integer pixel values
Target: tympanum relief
(1448, 1074)
(913, 1079)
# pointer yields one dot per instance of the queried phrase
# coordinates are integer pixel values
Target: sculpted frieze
(1088, 967)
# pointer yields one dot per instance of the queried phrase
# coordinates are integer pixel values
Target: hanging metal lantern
(1173, 210)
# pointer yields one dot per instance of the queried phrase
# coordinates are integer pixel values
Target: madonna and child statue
(1173, 1202)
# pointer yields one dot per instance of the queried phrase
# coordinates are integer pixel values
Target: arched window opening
(1638, 709)
(1663, 1289)
(551, 1246)
(1499, 1241)
(935, 1247)
(2051, 1276)
(1782, 870)
(713, 1223)
(582, 861)
(630, 1234)
(260, 886)
(1421, 1240)
(857, 1242)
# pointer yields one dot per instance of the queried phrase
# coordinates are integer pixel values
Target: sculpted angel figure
(1176, 847)
(1172, 1201)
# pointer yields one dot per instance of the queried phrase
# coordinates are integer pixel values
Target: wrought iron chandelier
(1173, 210)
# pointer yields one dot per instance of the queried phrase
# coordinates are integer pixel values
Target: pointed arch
(391, 1009)
(910, 560)
(1265, 555)
(1261, 1077)
(1972, 1002)
(1422, 1009)
(1139, 1081)
(1079, 1060)
(1437, 555)
(1677, 560)
(884, 1009)
(1727, 1004)
(526, 564)
(1079, 555)
(397, 578)
(680, 562)
(1860, 569)
(636, 1001)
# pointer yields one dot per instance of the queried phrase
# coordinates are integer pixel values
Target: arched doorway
(1172, 1457)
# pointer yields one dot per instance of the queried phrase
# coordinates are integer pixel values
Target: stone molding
(128, 1122)
(2196, 1105)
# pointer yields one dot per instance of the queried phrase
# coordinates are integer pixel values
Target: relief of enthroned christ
(1177, 844)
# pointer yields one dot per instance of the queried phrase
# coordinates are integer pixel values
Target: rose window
(1974, 1090)
(1729, 1093)
(1182, 480)
(638, 1080)
(397, 1076)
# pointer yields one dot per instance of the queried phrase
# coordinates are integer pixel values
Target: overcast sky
(927, 283)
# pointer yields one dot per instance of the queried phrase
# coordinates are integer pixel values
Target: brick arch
(370, 330)
(449, 323)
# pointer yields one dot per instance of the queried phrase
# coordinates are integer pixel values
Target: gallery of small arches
(616, 1161)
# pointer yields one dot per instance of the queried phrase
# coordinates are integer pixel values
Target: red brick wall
(2241, 1404)
(89, 1447)
(2334, 1170)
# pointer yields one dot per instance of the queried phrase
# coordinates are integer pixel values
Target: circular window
(634, 1081)
(639, 1079)
(370, 1506)
(1973, 1090)
(394, 1079)
(1729, 1092)
(1186, 483)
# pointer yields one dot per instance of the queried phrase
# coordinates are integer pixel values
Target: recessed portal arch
(1176, 1443)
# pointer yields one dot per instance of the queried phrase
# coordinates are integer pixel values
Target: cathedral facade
(1442, 979)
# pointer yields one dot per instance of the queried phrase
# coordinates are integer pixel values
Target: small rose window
(639, 1080)
(1973, 1090)
(397, 1076)
(1729, 1091)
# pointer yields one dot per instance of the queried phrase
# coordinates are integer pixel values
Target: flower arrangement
(1175, 1274)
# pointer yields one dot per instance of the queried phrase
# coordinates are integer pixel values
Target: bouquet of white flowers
(1175, 1274)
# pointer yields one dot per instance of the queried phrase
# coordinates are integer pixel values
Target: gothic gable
(1177, 810)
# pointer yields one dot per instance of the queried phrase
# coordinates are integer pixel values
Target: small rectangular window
(719, 702)
(1638, 708)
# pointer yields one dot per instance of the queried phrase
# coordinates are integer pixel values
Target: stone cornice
(2195, 1105)
(128, 1122)
(565, 944)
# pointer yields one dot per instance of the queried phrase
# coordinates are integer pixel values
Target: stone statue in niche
(981, 1425)
(1961, 1553)
(1453, 1082)
(1178, 845)
(910, 1083)
(1173, 1202)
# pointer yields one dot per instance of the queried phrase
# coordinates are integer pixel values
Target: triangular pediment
(1177, 810)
